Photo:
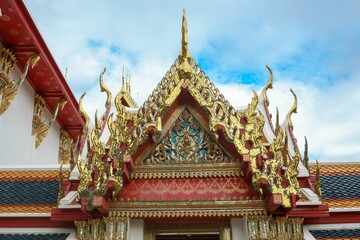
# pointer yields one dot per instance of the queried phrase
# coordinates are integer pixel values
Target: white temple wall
(136, 229)
(17, 145)
(239, 228)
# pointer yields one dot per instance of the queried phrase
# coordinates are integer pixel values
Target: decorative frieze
(109, 228)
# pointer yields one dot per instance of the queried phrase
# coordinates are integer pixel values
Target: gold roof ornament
(100, 124)
(124, 97)
(84, 132)
(269, 85)
(292, 110)
(317, 181)
(306, 157)
(184, 57)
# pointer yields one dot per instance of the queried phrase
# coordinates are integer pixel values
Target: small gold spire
(128, 89)
(123, 80)
(306, 157)
(277, 125)
(66, 73)
(184, 54)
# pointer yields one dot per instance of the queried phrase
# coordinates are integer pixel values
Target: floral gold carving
(9, 89)
(41, 128)
(65, 148)
(187, 143)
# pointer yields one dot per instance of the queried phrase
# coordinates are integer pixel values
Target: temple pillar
(239, 228)
(136, 229)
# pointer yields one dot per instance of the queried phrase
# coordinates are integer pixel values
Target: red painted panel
(187, 189)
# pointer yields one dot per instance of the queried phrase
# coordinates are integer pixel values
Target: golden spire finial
(66, 73)
(306, 157)
(123, 80)
(128, 89)
(184, 54)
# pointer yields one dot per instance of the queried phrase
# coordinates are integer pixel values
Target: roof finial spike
(128, 88)
(123, 80)
(184, 54)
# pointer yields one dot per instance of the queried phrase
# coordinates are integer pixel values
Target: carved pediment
(187, 142)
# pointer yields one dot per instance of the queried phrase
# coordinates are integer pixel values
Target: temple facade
(185, 165)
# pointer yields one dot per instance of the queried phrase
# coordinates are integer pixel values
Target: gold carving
(9, 89)
(65, 148)
(186, 143)
(39, 127)
(7, 62)
(84, 177)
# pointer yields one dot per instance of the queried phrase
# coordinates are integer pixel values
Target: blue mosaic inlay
(31, 192)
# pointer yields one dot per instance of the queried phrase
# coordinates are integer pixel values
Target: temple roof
(340, 185)
(28, 191)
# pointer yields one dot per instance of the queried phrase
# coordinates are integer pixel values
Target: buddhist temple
(184, 165)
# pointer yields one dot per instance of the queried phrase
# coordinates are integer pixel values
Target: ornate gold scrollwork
(9, 89)
(65, 148)
(187, 143)
(39, 127)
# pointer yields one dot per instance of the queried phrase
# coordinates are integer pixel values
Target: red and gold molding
(187, 189)
(51, 175)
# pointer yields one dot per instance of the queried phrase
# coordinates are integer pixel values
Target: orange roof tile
(26, 208)
(343, 202)
(343, 169)
(48, 175)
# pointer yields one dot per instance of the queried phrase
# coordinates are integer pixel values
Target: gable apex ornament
(185, 69)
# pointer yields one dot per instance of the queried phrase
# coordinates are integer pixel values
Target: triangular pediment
(186, 142)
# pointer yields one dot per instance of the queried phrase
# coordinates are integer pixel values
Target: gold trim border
(180, 209)
(187, 171)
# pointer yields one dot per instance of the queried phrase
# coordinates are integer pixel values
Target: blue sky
(312, 47)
